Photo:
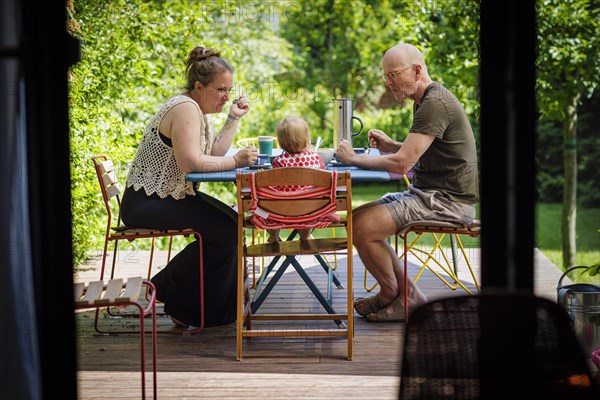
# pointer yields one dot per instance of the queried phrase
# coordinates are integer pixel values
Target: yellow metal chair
(439, 231)
(428, 257)
(435, 258)
(293, 206)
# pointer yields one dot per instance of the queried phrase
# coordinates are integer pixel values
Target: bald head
(405, 72)
(405, 54)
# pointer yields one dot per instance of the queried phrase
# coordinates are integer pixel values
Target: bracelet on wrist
(233, 117)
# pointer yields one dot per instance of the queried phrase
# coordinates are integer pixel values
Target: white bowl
(326, 154)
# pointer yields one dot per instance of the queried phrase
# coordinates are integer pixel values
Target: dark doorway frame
(44, 51)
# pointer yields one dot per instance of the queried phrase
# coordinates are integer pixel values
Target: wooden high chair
(328, 191)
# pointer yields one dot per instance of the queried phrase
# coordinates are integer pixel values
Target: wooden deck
(204, 365)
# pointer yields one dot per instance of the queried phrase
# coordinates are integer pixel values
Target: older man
(440, 149)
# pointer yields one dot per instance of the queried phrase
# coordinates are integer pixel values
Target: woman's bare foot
(179, 323)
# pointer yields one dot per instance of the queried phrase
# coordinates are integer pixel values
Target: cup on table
(262, 159)
(265, 145)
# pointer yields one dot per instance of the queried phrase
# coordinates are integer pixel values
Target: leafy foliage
(593, 270)
(568, 68)
(568, 60)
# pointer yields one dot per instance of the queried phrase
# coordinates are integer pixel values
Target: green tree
(568, 66)
(339, 45)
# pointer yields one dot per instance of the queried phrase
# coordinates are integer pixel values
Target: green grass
(365, 192)
(548, 236)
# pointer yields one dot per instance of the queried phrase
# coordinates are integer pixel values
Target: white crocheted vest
(154, 167)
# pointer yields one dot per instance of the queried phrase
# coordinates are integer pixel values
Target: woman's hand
(245, 157)
(239, 107)
(223, 140)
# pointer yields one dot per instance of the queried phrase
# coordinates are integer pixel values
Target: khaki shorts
(417, 205)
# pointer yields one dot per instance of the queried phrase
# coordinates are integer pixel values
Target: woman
(179, 139)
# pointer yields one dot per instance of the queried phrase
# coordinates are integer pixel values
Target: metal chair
(336, 196)
(437, 254)
(438, 230)
(117, 293)
(116, 231)
(493, 346)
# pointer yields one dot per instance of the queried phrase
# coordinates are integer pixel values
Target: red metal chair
(117, 293)
(116, 231)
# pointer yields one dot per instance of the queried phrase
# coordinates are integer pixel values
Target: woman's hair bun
(201, 53)
(202, 65)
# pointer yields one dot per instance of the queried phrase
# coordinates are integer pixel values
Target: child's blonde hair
(293, 135)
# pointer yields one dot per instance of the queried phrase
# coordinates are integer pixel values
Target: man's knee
(372, 226)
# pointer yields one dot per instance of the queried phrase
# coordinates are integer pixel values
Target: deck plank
(204, 366)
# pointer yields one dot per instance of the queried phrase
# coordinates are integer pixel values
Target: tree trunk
(569, 206)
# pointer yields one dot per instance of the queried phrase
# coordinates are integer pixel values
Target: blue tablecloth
(358, 174)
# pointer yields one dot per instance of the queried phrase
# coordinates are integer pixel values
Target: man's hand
(379, 140)
(344, 152)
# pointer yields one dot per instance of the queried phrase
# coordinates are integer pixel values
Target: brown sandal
(370, 304)
(384, 315)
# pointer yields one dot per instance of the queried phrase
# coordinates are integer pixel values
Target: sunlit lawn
(548, 236)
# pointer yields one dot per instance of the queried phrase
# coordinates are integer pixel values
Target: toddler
(294, 138)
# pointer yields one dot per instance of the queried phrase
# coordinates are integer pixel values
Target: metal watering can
(582, 302)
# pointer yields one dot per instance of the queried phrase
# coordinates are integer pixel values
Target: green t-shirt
(450, 164)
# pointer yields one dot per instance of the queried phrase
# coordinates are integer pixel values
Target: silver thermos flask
(342, 121)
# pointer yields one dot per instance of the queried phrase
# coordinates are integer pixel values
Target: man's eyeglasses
(392, 75)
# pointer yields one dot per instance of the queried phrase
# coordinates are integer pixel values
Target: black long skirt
(178, 284)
